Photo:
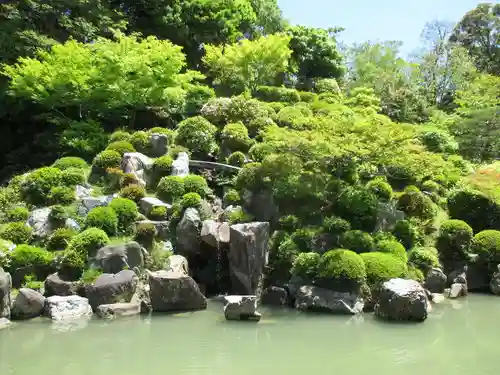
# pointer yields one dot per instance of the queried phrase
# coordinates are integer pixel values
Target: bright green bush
(72, 177)
(62, 195)
(415, 274)
(165, 131)
(25, 256)
(336, 225)
(122, 147)
(237, 159)
(359, 206)
(17, 214)
(107, 159)
(249, 177)
(380, 188)
(258, 125)
(454, 240)
(304, 238)
(57, 215)
(342, 265)
(88, 242)
(239, 216)
(104, 218)
(170, 188)
(133, 192)
(289, 223)
(326, 85)
(487, 245)
(73, 263)
(306, 265)
(119, 135)
(358, 241)
(191, 200)
(140, 141)
(162, 166)
(282, 254)
(70, 162)
(276, 94)
(175, 150)
(423, 258)
(127, 212)
(307, 97)
(231, 198)
(198, 135)
(158, 213)
(382, 267)
(60, 238)
(392, 247)
(475, 208)
(431, 187)
(407, 233)
(37, 185)
(416, 204)
(145, 234)
(18, 233)
(234, 137)
(195, 184)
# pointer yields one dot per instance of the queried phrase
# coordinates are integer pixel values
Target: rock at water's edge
(5, 289)
(59, 308)
(28, 304)
(319, 299)
(112, 288)
(241, 308)
(118, 309)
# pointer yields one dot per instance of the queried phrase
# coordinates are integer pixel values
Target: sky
(376, 20)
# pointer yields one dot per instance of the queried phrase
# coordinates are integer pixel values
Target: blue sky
(376, 19)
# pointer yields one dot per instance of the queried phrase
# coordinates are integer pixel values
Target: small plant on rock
(122, 147)
(191, 200)
(25, 256)
(17, 214)
(72, 177)
(358, 241)
(424, 258)
(237, 159)
(133, 192)
(58, 215)
(342, 265)
(145, 234)
(306, 265)
(62, 195)
(392, 247)
(37, 185)
(88, 242)
(170, 188)
(231, 198)
(195, 184)
(107, 159)
(127, 212)
(159, 213)
(382, 267)
(60, 238)
(18, 233)
(70, 162)
(454, 240)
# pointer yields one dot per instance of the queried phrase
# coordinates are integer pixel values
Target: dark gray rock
(175, 291)
(28, 304)
(5, 289)
(162, 227)
(112, 288)
(59, 308)
(319, 299)
(274, 296)
(241, 308)
(401, 299)
(495, 282)
(457, 290)
(57, 285)
(248, 256)
(88, 203)
(158, 145)
(215, 233)
(435, 280)
(261, 205)
(115, 258)
(5, 323)
(188, 233)
(118, 309)
(147, 204)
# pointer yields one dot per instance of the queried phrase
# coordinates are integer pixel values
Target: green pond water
(459, 337)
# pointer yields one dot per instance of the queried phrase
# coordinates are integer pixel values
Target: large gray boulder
(314, 298)
(158, 145)
(39, 221)
(57, 285)
(174, 291)
(401, 299)
(495, 282)
(435, 280)
(215, 233)
(88, 203)
(139, 165)
(147, 204)
(188, 233)
(5, 289)
(248, 255)
(241, 308)
(118, 309)
(28, 304)
(180, 166)
(115, 258)
(274, 296)
(59, 308)
(112, 288)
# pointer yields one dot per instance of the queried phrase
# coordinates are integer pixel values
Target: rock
(88, 203)
(148, 203)
(495, 282)
(112, 288)
(274, 296)
(142, 297)
(138, 165)
(180, 166)
(457, 290)
(39, 221)
(260, 205)
(174, 291)
(158, 144)
(118, 309)
(57, 285)
(188, 233)
(294, 284)
(28, 304)
(5, 323)
(241, 308)
(248, 255)
(162, 227)
(319, 299)
(437, 298)
(401, 299)
(83, 192)
(215, 233)
(435, 280)
(177, 263)
(63, 308)
(115, 258)
(5, 289)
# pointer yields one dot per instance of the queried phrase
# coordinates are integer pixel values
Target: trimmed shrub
(358, 241)
(326, 85)
(104, 218)
(424, 258)
(17, 214)
(158, 213)
(306, 265)
(258, 125)
(162, 166)
(121, 147)
(382, 267)
(431, 187)
(175, 150)
(487, 245)
(25, 256)
(145, 234)
(37, 185)
(336, 225)
(304, 238)
(195, 184)
(119, 135)
(60, 238)
(165, 131)
(234, 137)
(416, 204)
(88, 242)
(249, 177)
(415, 274)
(70, 162)
(342, 265)
(380, 188)
(359, 206)
(407, 233)
(307, 97)
(170, 188)
(237, 159)
(476, 209)
(140, 141)
(191, 200)
(231, 198)
(454, 240)
(239, 216)
(72, 177)
(282, 254)
(18, 233)
(127, 212)
(62, 195)
(57, 215)
(133, 192)
(128, 179)
(289, 223)
(107, 159)
(198, 135)
(276, 94)
(392, 247)
(73, 263)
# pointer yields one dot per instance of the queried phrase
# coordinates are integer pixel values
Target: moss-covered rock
(382, 267)
(343, 266)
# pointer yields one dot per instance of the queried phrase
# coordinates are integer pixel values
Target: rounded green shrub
(60, 238)
(237, 159)
(18, 233)
(231, 198)
(359, 241)
(170, 188)
(119, 135)
(162, 166)
(107, 159)
(62, 195)
(165, 131)
(306, 265)
(145, 234)
(126, 210)
(88, 242)
(326, 85)
(359, 206)
(37, 185)
(407, 233)
(259, 151)
(140, 140)
(73, 263)
(487, 245)
(431, 187)
(72, 177)
(191, 200)
(175, 150)
(475, 208)
(304, 238)
(289, 223)
(454, 240)
(416, 204)
(122, 147)
(57, 215)
(259, 125)
(128, 179)
(282, 254)
(415, 274)
(423, 258)
(17, 214)
(249, 177)
(198, 135)
(25, 256)
(104, 218)
(336, 225)
(382, 267)
(70, 162)
(392, 247)
(159, 213)
(380, 188)
(133, 192)
(342, 265)
(195, 184)
(235, 137)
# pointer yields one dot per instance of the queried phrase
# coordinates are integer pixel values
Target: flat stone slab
(118, 309)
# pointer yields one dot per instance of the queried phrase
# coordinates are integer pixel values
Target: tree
(248, 64)
(479, 33)
(269, 19)
(482, 92)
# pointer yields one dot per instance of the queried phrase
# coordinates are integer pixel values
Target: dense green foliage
(381, 267)
(342, 265)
